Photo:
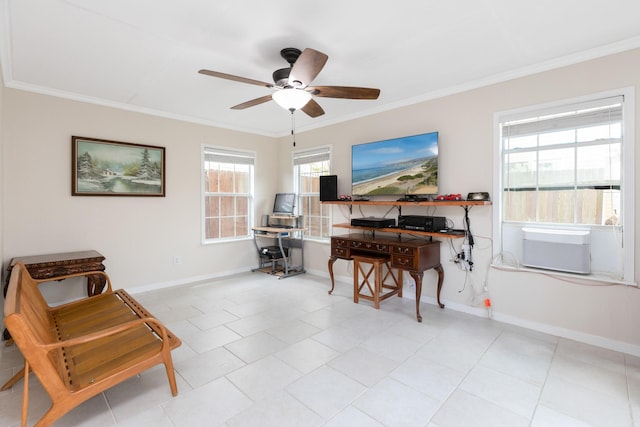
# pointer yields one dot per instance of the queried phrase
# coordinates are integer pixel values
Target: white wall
(139, 236)
(2, 183)
(605, 316)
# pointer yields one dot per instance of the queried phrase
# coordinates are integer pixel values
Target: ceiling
(144, 55)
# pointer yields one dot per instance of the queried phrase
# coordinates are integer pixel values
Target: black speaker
(328, 188)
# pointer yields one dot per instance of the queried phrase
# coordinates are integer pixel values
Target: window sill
(217, 241)
(591, 279)
(322, 240)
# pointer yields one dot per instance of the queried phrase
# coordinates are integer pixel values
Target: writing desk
(410, 254)
(50, 266)
(284, 240)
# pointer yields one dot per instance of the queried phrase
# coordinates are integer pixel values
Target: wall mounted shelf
(465, 204)
(462, 203)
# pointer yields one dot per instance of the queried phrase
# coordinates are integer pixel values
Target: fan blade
(347, 92)
(307, 67)
(313, 109)
(235, 78)
(252, 103)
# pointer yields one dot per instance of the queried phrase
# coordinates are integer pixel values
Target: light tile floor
(258, 351)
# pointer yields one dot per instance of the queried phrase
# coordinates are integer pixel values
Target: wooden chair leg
(357, 285)
(171, 375)
(13, 380)
(395, 277)
(378, 284)
(25, 394)
(356, 281)
(365, 280)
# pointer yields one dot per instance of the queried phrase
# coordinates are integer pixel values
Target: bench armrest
(83, 274)
(111, 331)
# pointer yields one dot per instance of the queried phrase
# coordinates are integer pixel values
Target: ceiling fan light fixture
(292, 84)
(291, 98)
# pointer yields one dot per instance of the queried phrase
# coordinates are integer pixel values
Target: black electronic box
(373, 222)
(422, 223)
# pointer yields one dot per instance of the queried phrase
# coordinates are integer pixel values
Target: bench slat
(100, 305)
(115, 315)
(109, 355)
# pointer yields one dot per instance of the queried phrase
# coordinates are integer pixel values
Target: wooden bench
(78, 350)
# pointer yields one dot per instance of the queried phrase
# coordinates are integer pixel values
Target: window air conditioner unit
(561, 250)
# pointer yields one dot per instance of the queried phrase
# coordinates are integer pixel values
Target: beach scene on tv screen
(398, 166)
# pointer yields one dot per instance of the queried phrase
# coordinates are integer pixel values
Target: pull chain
(293, 126)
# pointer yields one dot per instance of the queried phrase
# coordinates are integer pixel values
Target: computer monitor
(284, 204)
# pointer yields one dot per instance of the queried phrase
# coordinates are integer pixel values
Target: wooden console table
(50, 266)
(412, 255)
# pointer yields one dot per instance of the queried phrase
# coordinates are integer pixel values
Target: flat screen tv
(284, 203)
(405, 166)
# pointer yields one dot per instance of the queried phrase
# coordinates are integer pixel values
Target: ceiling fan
(292, 84)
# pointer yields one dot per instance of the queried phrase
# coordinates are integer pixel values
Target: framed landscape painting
(111, 168)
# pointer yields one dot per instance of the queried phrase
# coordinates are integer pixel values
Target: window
(563, 166)
(307, 168)
(227, 194)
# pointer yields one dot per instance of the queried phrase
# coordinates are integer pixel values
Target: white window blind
(312, 156)
(220, 155)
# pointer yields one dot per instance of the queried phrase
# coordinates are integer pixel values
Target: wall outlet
(410, 283)
(177, 260)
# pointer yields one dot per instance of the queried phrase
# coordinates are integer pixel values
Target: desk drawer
(340, 252)
(404, 250)
(404, 262)
(339, 243)
(369, 246)
(417, 258)
(403, 257)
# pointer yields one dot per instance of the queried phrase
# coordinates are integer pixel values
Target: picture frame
(102, 167)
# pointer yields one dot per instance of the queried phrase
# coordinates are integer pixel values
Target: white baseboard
(463, 308)
(186, 281)
(595, 340)
(321, 273)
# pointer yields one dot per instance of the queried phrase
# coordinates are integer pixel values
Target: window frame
(627, 181)
(319, 151)
(211, 149)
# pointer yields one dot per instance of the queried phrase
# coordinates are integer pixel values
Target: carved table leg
(332, 260)
(417, 276)
(438, 268)
(6, 336)
(95, 284)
